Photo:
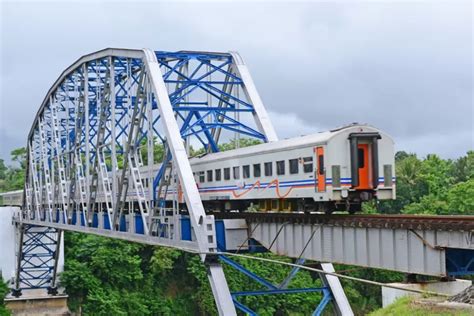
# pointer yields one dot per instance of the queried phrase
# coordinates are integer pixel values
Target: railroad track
(398, 221)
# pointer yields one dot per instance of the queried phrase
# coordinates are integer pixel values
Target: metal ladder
(36, 186)
(60, 166)
(29, 198)
(47, 173)
(132, 164)
(143, 205)
(106, 184)
(100, 167)
(157, 218)
(76, 158)
(81, 181)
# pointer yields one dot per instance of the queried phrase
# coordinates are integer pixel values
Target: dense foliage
(433, 185)
(110, 277)
(13, 177)
(3, 292)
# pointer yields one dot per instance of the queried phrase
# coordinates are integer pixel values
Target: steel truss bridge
(115, 113)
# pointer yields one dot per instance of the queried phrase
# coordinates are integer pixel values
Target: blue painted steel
(198, 78)
(243, 308)
(74, 217)
(95, 220)
(248, 273)
(327, 296)
(220, 235)
(272, 289)
(256, 247)
(459, 261)
(123, 224)
(139, 229)
(37, 257)
(291, 275)
(280, 291)
(105, 217)
(83, 218)
(186, 228)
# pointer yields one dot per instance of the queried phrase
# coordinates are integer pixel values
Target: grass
(406, 306)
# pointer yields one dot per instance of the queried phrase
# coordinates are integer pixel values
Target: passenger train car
(328, 171)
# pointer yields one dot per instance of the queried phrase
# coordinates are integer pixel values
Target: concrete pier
(389, 295)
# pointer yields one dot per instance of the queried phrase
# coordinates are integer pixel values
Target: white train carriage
(333, 170)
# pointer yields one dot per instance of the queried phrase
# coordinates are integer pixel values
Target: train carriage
(333, 170)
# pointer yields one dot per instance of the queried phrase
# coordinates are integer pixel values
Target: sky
(405, 67)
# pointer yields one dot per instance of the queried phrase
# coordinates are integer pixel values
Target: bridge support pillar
(38, 256)
(389, 295)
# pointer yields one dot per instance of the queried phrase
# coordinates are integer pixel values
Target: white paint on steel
(261, 115)
(343, 307)
(383, 248)
(220, 289)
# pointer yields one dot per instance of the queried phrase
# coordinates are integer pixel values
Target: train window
(293, 166)
(308, 164)
(360, 157)
(226, 173)
(218, 174)
(280, 165)
(268, 169)
(209, 175)
(321, 164)
(201, 176)
(246, 172)
(256, 170)
(236, 172)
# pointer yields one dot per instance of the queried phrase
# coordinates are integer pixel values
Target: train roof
(295, 142)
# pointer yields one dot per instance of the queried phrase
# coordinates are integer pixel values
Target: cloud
(403, 67)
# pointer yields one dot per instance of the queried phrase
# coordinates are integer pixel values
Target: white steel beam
(261, 115)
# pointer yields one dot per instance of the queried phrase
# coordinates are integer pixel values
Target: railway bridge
(114, 114)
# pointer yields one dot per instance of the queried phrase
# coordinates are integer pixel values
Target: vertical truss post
(53, 287)
(48, 188)
(56, 139)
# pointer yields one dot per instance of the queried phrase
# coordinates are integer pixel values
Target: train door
(364, 160)
(320, 171)
(363, 167)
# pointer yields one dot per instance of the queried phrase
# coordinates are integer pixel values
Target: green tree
(463, 168)
(4, 290)
(13, 177)
(460, 198)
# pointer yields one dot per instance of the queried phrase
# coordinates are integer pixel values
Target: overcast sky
(405, 67)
